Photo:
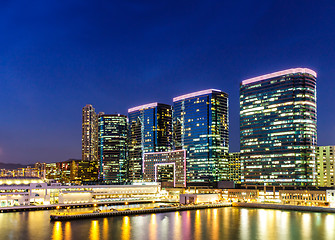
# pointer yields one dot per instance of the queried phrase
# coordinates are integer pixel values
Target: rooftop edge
(280, 73)
(195, 94)
(141, 107)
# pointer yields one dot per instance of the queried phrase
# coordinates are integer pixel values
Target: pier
(135, 211)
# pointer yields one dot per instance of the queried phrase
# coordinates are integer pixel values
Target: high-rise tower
(113, 133)
(150, 131)
(278, 128)
(88, 170)
(200, 122)
(89, 134)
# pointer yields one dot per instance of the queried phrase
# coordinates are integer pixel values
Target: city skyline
(57, 57)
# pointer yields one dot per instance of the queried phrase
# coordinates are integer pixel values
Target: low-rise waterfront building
(330, 197)
(25, 191)
(199, 198)
(303, 197)
(325, 165)
(243, 194)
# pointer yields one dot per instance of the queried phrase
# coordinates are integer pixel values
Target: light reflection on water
(105, 228)
(57, 232)
(94, 230)
(67, 231)
(152, 227)
(306, 225)
(125, 228)
(197, 225)
(222, 223)
(176, 227)
(244, 224)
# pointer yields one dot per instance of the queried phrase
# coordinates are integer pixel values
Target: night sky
(57, 56)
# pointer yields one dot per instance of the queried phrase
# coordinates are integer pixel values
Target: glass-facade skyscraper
(150, 131)
(200, 122)
(113, 135)
(278, 128)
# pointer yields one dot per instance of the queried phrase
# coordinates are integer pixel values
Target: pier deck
(134, 211)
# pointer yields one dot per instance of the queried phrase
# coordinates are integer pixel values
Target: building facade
(200, 124)
(89, 134)
(33, 191)
(113, 147)
(234, 166)
(169, 168)
(89, 169)
(150, 131)
(278, 128)
(325, 165)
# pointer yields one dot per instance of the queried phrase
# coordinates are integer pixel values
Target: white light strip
(150, 105)
(280, 73)
(203, 92)
(150, 153)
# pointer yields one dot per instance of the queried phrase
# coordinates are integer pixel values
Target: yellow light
(94, 231)
(126, 203)
(57, 231)
(125, 228)
(57, 207)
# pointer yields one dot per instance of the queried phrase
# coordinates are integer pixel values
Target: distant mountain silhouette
(11, 166)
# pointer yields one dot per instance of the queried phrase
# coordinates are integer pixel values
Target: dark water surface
(222, 223)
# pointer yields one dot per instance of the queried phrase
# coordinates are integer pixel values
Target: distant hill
(11, 166)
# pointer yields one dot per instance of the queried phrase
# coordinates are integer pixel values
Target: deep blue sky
(57, 56)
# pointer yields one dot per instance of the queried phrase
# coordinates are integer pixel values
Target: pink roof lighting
(195, 94)
(280, 73)
(150, 105)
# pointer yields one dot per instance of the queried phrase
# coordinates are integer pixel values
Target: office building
(278, 128)
(150, 131)
(234, 166)
(113, 133)
(200, 122)
(168, 168)
(325, 165)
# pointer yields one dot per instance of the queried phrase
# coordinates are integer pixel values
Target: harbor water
(221, 223)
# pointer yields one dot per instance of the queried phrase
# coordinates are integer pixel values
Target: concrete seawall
(64, 217)
(284, 207)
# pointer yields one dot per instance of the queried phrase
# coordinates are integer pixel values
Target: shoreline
(72, 205)
(234, 204)
(284, 207)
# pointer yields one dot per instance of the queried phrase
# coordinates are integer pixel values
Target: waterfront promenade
(70, 205)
